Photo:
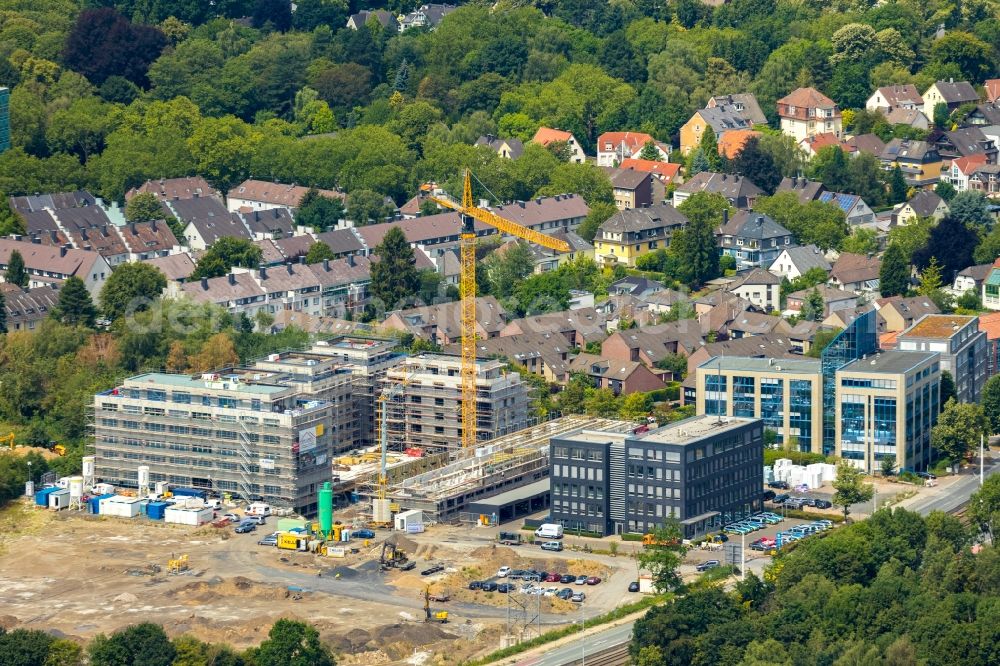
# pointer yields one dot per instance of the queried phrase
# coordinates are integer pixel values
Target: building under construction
(516, 464)
(430, 398)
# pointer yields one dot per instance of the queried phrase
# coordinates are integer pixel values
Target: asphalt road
(954, 496)
(580, 647)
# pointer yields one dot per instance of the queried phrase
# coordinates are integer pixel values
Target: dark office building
(703, 471)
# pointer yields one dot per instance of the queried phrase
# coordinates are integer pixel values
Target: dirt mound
(403, 543)
(409, 582)
(343, 572)
(204, 592)
(415, 634)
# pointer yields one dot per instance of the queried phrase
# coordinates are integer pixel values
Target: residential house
(238, 293)
(990, 325)
(294, 248)
(732, 142)
(47, 264)
(665, 172)
(256, 195)
(844, 318)
(856, 273)
(52, 201)
(833, 300)
(752, 239)
(950, 93)
(386, 19)
(897, 313)
(635, 285)
(631, 188)
(966, 141)
(580, 327)
(342, 242)
(750, 323)
(545, 135)
(442, 323)
(961, 169)
(919, 161)
(925, 203)
(201, 233)
(425, 16)
(544, 354)
(615, 147)
(753, 346)
(622, 377)
(806, 111)
(972, 278)
(629, 234)
(293, 286)
(169, 189)
(176, 267)
(27, 308)
(814, 143)
(651, 344)
(985, 178)
(509, 149)
(544, 258)
(146, 240)
(721, 119)
(269, 224)
(888, 98)
(806, 190)
(740, 191)
(992, 89)
(563, 212)
(855, 209)
(864, 143)
(991, 288)
(760, 287)
(984, 114)
(744, 103)
(344, 285)
(914, 118)
(794, 261)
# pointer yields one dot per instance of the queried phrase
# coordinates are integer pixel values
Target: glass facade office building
(856, 341)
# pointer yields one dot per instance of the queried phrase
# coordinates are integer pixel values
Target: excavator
(429, 615)
(9, 440)
(392, 556)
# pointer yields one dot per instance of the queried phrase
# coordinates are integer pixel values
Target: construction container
(94, 503)
(188, 515)
(289, 524)
(293, 542)
(121, 506)
(103, 489)
(410, 521)
(189, 492)
(60, 499)
(42, 496)
(156, 510)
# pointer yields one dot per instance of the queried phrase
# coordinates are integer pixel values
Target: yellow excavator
(9, 439)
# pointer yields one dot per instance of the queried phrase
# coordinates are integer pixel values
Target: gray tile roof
(643, 219)
(750, 108)
(747, 224)
(807, 256)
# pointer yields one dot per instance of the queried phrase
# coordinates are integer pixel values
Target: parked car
(269, 540)
(553, 578)
(513, 574)
(926, 475)
(780, 485)
(578, 597)
(476, 585)
(489, 586)
(780, 498)
(823, 504)
(580, 580)
(705, 566)
(552, 545)
(567, 578)
(503, 572)
(506, 588)
(564, 593)
(231, 517)
(243, 528)
(594, 580)
(432, 570)
(769, 495)
(633, 586)
(551, 591)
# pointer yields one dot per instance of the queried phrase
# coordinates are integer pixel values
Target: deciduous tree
(131, 288)
(850, 487)
(663, 558)
(958, 429)
(225, 253)
(293, 643)
(144, 207)
(319, 251)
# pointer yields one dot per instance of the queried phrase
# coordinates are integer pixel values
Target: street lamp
(583, 643)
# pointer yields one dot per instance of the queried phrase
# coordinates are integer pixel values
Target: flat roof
(695, 429)
(942, 326)
(516, 495)
(761, 364)
(893, 362)
(187, 381)
(592, 436)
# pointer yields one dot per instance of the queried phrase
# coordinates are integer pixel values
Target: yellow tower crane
(467, 286)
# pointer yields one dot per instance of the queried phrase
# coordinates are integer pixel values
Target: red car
(593, 580)
(552, 578)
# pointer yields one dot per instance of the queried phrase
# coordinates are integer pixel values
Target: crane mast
(467, 288)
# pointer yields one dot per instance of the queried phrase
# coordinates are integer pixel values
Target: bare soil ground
(79, 576)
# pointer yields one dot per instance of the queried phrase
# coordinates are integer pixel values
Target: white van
(258, 509)
(549, 531)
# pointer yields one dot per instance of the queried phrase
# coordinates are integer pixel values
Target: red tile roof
(732, 142)
(990, 323)
(992, 89)
(634, 140)
(546, 135)
(968, 164)
(666, 171)
(808, 98)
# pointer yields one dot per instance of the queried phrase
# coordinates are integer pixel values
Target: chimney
(232, 278)
(204, 283)
(132, 229)
(263, 273)
(54, 235)
(288, 267)
(104, 231)
(350, 260)
(152, 225)
(62, 250)
(725, 216)
(36, 240)
(83, 234)
(326, 265)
